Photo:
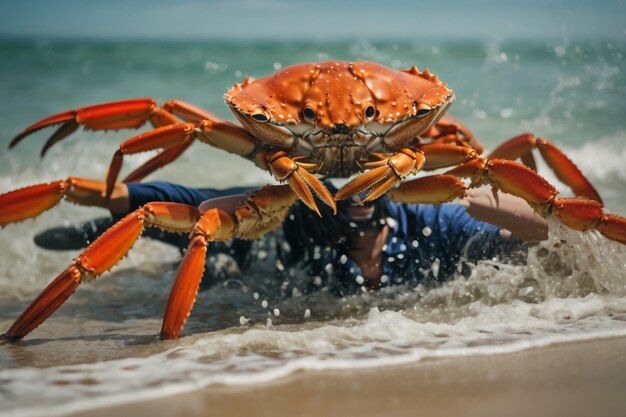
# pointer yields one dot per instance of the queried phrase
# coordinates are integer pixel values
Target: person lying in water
(361, 248)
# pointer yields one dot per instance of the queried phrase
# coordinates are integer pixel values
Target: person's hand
(511, 213)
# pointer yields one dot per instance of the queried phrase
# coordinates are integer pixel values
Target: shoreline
(573, 378)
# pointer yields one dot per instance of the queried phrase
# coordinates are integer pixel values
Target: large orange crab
(332, 119)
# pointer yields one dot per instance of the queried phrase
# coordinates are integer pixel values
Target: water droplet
(435, 267)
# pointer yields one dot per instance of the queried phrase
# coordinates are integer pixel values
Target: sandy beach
(570, 379)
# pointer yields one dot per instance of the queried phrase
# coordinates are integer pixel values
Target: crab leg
(442, 155)
(116, 115)
(519, 180)
(451, 130)
(28, 202)
(434, 189)
(165, 157)
(189, 113)
(175, 139)
(214, 225)
(100, 256)
(260, 213)
(565, 170)
(136, 112)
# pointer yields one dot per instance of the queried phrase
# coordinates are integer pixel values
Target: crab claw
(385, 173)
(301, 181)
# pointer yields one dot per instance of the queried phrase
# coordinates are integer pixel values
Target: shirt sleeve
(447, 234)
(143, 193)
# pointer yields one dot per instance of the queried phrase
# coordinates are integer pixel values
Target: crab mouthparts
(341, 129)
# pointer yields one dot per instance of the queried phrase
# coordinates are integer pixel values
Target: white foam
(327, 347)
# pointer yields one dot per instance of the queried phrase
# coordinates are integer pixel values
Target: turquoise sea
(101, 347)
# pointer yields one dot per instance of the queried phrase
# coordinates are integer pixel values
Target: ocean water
(102, 346)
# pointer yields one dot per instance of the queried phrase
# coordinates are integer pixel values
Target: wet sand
(571, 379)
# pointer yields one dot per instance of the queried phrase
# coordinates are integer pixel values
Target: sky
(313, 19)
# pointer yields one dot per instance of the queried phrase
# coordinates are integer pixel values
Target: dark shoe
(73, 237)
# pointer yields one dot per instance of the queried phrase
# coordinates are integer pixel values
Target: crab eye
(422, 112)
(370, 111)
(309, 114)
(260, 117)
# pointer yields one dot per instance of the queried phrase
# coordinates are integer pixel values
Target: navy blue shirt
(425, 242)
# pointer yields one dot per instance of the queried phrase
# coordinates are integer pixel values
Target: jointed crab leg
(214, 225)
(33, 200)
(452, 131)
(519, 180)
(174, 135)
(135, 113)
(442, 155)
(163, 158)
(132, 113)
(434, 189)
(258, 214)
(117, 115)
(175, 138)
(189, 113)
(565, 170)
(101, 256)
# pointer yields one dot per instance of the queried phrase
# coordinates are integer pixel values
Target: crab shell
(339, 93)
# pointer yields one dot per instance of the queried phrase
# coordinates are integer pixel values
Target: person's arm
(119, 203)
(511, 213)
